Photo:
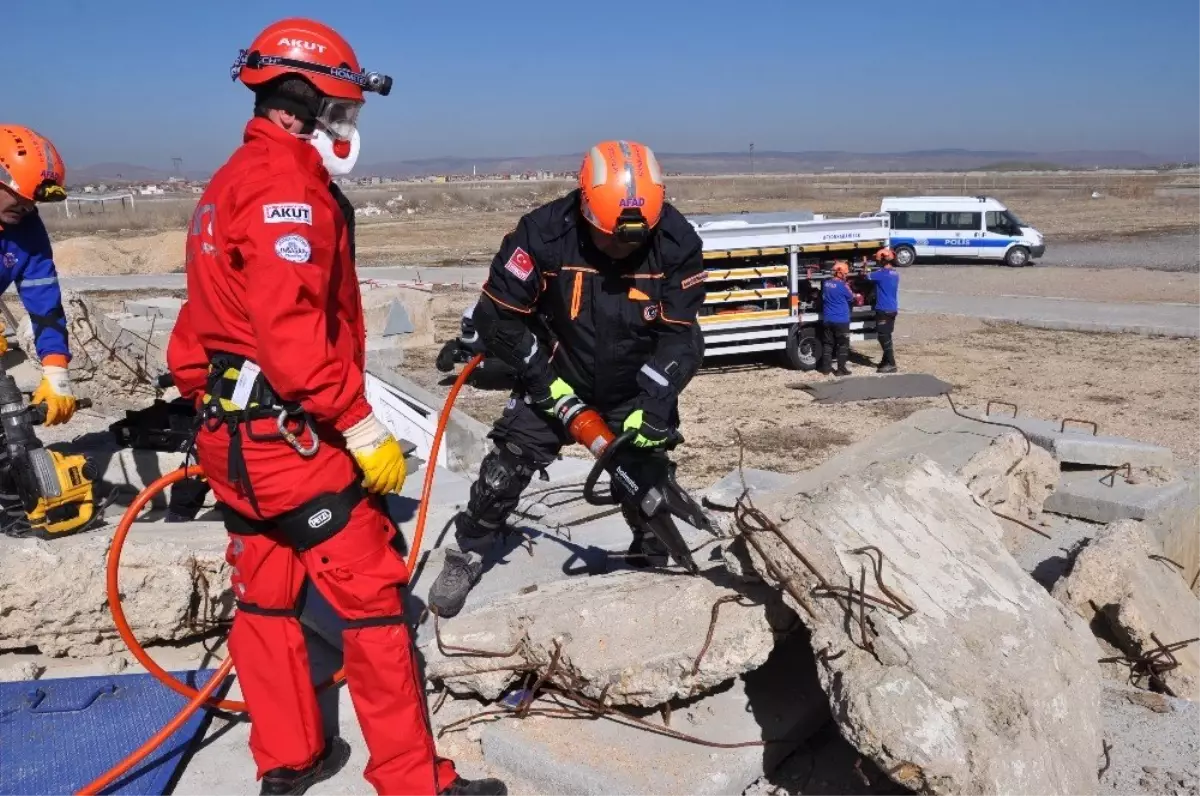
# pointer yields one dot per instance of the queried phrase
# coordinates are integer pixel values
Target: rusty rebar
(1154, 662)
(1166, 560)
(1022, 523)
(543, 678)
(1063, 426)
(954, 408)
(1109, 479)
(877, 567)
(712, 629)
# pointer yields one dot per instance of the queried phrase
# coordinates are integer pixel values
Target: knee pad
(502, 478)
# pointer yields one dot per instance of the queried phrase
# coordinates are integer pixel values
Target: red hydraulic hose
(202, 697)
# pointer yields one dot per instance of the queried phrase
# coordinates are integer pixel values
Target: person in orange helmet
(592, 298)
(32, 172)
(270, 345)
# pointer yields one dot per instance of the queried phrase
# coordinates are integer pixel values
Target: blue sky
(140, 81)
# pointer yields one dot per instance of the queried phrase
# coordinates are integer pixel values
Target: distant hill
(768, 162)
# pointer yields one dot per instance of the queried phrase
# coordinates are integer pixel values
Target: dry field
(435, 224)
(1048, 374)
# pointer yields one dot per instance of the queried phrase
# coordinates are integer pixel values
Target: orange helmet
(30, 166)
(309, 49)
(622, 189)
(841, 267)
(885, 255)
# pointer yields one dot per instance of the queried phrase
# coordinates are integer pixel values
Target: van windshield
(1012, 219)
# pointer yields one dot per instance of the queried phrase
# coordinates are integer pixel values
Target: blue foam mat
(57, 735)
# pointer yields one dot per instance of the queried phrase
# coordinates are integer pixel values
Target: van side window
(913, 219)
(958, 221)
(997, 221)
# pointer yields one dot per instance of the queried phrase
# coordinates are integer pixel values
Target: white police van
(959, 226)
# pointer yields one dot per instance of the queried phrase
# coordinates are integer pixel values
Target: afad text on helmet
(302, 44)
(636, 201)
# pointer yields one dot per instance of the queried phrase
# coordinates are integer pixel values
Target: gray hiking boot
(459, 575)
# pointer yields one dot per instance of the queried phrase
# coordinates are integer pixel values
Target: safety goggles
(49, 191)
(632, 227)
(339, 118)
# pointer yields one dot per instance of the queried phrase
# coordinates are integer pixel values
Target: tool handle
(165, 380)
(37, 412)
(602, 462)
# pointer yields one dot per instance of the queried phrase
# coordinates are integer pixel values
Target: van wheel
(905, 256)
(803, 348)
(1017, 257)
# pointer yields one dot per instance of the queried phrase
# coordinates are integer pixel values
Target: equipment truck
(763, 286)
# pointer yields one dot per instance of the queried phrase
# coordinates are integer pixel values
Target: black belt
(261, 402)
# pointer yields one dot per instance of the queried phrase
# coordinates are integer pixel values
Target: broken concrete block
(113, 366)
(1153, 746)
(1075, 444)
(724, 494)
(160, 307)
(1011, 476)
(1170, 511)
(1140, 598)
(174, 580)
(379, 299)
(960, 674)
(145, 326)
(781, 702)
(632, 636)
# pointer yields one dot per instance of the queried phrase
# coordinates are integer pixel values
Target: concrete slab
(1073, 443)
(145, 325)
(160, 307)
(780, 702)
(1085, 495)
(1170, 512)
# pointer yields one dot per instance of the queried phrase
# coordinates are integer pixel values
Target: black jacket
(614, 330)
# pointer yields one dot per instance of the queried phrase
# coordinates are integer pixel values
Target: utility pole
(751, 158)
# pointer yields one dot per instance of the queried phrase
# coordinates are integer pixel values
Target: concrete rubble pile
(896, 613)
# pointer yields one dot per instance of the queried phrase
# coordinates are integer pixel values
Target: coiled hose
(203, 697)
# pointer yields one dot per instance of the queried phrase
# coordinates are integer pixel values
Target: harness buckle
(292, 439)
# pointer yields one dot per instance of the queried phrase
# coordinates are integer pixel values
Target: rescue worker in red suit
(592, 298)
(271, 346)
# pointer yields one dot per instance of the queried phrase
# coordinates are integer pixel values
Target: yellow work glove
(378, 455)
(3, 338)
(55, 392)
(652, 433)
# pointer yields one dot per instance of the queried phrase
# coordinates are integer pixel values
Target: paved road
(1162, 253)
(1173, 320)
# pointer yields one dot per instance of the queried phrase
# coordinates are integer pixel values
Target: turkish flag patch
(520, 264)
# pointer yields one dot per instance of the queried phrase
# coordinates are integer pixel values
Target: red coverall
(270, 278)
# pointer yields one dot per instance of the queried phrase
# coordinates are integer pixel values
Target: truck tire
(1016, 257)
(803, 348)
(905, 256)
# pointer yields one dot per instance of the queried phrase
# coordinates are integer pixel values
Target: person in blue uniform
(31, 172)
(836, 300)
(887, 304)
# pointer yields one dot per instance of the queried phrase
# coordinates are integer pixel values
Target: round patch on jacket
(293, 248)
(10, 260)
(650, 312)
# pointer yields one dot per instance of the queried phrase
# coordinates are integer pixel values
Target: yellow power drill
(55, 490)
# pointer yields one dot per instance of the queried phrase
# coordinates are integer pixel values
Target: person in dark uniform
(836, 301)
(887, 304)
(593, 297)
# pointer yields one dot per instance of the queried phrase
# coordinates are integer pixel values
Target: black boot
(475, 787)
(289, 780)
(842, 370)
(459, 574)
(885, 367)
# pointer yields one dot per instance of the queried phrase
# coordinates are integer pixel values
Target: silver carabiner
(293, 440)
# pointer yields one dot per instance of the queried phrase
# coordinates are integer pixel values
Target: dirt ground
(1087, 284)
(1047, 374)
(450, 224)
